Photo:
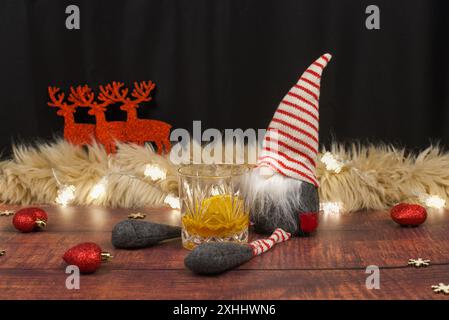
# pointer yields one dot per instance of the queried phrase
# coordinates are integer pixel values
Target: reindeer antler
(56, 101)
(82, 96)
(142, 91)
(113, 92)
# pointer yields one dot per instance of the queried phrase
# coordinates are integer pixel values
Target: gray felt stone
(217, 257)
(308, 201)
(134, 234)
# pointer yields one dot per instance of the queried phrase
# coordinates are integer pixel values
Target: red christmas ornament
(308, 221)
(408, 214)
(86, 256)
(30, 219)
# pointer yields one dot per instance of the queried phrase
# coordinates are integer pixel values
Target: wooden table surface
(329, 265)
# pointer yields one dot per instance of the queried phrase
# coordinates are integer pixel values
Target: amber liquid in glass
(221, 217)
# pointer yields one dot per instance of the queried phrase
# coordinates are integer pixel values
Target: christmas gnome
(282, 190)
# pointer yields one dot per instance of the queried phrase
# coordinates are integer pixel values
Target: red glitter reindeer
(75, 133)
(138, 130)
(108, 133)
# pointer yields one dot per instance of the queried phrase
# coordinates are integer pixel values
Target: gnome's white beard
(276, 200)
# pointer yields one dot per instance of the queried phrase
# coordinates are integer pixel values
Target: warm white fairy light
(172, 201)
(433, 201)
(331, 207)
(66, 194)
(99, 190)
(332, 162)
(154, 172)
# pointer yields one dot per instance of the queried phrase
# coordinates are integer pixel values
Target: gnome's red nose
(308, 221)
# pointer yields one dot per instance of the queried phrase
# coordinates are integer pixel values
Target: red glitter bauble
(30, 219)
(408, 214)
(86, 256)
(308, 221)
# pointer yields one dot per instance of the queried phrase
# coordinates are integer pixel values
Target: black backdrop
(228, 63)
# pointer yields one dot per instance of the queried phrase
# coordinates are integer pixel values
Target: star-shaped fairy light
(154, 172)
(433, 201)
(329, 208)
(66, 194)
(2, 252)
(6, 213)
(332, 162)
(418, 263)
(137, 215)
(441, 288)
(172, 201)
(99, 189)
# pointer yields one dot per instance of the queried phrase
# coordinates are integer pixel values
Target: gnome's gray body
(277, 201)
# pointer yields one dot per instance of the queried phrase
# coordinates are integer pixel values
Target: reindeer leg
(113, 147)
(107, 147)
(159, 146)
(167, 145)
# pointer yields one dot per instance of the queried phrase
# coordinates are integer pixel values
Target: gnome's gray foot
(133, 234)
(217, 257)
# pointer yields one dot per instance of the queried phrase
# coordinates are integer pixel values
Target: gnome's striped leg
(217, 257)
(263, 245)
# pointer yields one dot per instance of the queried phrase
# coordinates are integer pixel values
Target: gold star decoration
(418, 262)
(137, 215)
(6, 213)
(441, 288)
(2, 252)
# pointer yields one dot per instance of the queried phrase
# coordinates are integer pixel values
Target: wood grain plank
(383, 244)
(328, 265)
(41, 250)
(408, 283)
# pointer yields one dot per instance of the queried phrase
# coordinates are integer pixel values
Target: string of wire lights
(66, 192)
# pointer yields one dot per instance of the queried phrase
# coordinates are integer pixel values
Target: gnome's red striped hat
(290, 145)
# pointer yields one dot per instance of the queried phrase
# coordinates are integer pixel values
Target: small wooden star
(441, 288)
(2, 252)
(137, 215)
(6, 213)
(418, 262)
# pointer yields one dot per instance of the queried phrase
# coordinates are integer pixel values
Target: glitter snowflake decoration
(418, 262)
(6, 213)
(137, 215)
(441, 288)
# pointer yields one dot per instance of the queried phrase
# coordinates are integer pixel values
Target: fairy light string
(66, 193)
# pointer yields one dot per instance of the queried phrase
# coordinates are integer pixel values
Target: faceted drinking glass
(212, 204)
